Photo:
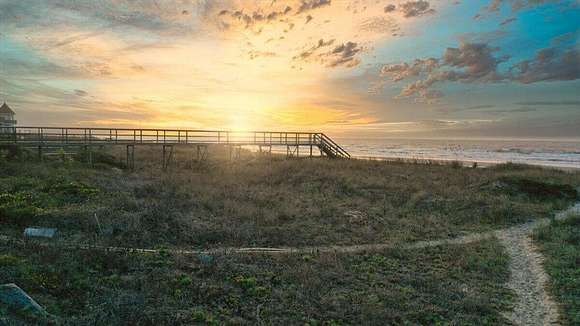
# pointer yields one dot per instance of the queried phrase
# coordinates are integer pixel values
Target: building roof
(6, 109)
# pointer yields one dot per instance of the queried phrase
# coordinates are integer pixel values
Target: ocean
(555, 153)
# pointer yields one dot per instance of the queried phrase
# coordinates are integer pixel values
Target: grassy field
(454, 284)
(560, 244)
(261, 201)
(267, 201)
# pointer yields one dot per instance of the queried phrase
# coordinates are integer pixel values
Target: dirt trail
(528, 280)
(533, 305)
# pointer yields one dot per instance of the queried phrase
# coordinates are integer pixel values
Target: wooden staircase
(330, 148)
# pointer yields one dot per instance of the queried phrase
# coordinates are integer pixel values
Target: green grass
(560, 244)
(452, 284)
(273, 201)
(269, 201)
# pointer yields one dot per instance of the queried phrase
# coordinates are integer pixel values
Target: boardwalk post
(201, 151)
(167, 156)
(40, 153)
(164, 157)
(88, 155)
(130, 157)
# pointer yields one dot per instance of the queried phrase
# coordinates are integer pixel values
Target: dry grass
(269, 201)
(272, 201)
(453, 284)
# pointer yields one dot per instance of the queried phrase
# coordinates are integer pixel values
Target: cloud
(506, 111)
(487, 109)
(256, 54)
(478, 62)
(550, 103)
(415, 8)
(80, 92)
(23, 67)
(308, 5)
(508, 20)
(516, 5)
(405, 70)
(262, 16)
(255, 17)
(482, 37)
(549, 64)
(478, 107)
(411, 9)
(379, 25)
(304, 55)
(470, 62)
(343, 55)
(390, 8)
(495, 6)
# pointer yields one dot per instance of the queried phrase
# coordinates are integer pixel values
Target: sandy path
(533, 306)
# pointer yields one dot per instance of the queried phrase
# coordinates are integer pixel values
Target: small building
(7, 121)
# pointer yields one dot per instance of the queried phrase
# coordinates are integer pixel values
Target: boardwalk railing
(63, 136)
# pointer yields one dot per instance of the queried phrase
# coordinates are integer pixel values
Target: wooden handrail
(61, 136)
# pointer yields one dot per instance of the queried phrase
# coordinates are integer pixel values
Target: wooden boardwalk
(41, 137)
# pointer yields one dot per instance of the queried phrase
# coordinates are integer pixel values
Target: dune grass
(452, 284)
(272, 201)
(276, 202)
(560, 243)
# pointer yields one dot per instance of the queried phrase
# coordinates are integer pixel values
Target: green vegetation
(271, 201)
(36, 199)
(560, 244)
(266, 201)
(453, 284)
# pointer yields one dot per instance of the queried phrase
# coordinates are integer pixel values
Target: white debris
(40, 232)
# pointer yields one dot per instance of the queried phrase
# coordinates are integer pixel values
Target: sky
(427, 68)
